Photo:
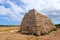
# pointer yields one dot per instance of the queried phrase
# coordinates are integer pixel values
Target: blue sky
(12, 11)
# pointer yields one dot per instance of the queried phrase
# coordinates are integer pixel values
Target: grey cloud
(54, 17)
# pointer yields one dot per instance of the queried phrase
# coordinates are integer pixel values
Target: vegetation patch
(57, 25)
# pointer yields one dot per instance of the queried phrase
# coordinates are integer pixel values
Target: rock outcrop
(36, 23)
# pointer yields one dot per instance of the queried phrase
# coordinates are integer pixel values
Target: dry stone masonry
(36, 23)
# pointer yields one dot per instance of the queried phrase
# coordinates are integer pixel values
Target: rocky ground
(55, 35)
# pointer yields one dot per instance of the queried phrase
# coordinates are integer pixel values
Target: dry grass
(54, 35)
(4, 29)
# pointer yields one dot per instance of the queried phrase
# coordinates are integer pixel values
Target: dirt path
(13, 35)
(9, 31)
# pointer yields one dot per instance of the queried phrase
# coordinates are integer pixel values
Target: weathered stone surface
(36, 23)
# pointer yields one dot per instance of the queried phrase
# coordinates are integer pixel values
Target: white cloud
(15, 8)
(47, 7)
(42, 4)
(50, 8)
(56, 4)
(1, 1)
(3, 11)
(13, 12)
(54, 13)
